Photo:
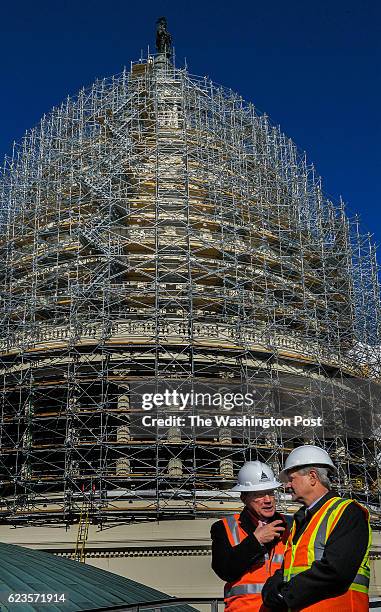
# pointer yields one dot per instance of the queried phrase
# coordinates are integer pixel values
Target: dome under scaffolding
(157, 230)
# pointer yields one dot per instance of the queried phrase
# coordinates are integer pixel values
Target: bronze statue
(163, 37)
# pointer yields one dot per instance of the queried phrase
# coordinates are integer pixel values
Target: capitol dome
(158, 228)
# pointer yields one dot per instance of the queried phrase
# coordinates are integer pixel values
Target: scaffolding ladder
(83, 532)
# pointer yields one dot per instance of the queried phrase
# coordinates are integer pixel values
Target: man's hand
(271, 593)
(268, 533)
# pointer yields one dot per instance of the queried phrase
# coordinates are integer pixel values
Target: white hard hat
(256, 476)
(304, 456)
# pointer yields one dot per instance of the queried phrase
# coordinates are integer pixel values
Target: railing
(182, 603)
(179, 603)
(201, 331)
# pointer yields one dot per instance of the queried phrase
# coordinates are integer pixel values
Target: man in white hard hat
(247, 548)
(326, 557)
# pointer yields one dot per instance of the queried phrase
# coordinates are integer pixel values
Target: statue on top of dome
(163, 37)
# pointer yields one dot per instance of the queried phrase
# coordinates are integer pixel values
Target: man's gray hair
(322, 474)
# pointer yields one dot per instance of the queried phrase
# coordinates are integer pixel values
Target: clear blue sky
(312, 66)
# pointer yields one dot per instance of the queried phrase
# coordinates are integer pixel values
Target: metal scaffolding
(157, 227)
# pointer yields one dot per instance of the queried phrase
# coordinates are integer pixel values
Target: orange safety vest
(310, 547)
(245, 593)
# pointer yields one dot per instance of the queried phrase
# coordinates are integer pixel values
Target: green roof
(23, 570)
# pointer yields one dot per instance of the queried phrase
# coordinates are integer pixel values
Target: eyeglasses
(262, 494)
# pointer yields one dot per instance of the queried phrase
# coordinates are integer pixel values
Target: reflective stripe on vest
(321, 533)
(233, 526)
(362, 580)
(243, 589)
(326, 519)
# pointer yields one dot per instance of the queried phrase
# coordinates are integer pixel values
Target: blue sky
(313, 67)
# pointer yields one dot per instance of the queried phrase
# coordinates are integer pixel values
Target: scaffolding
(158, 227)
